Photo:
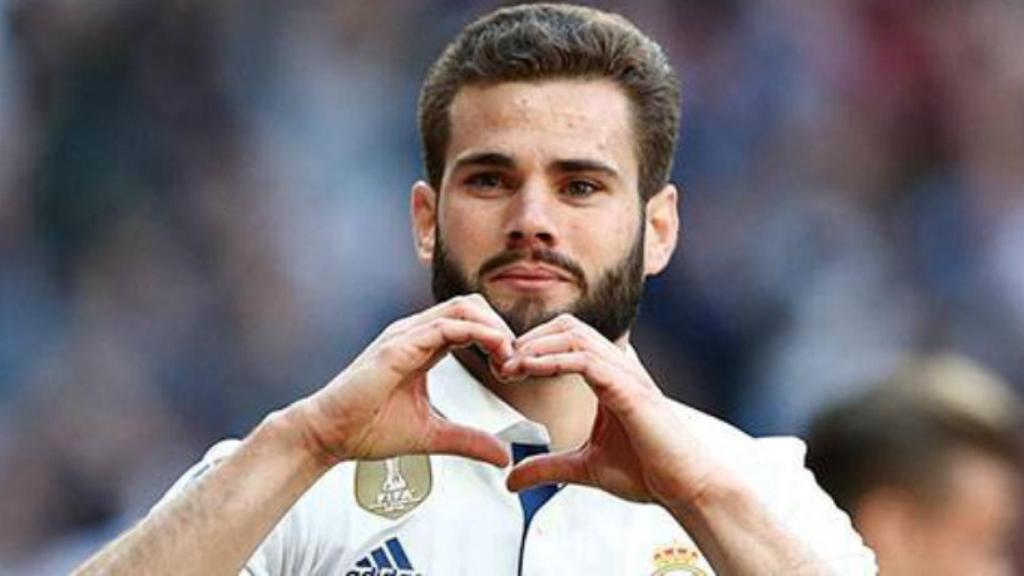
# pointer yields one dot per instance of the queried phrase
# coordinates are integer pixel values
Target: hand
(378, 406)
(639, 448)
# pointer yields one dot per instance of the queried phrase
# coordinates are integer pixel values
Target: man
(548, 134)
(928, 465)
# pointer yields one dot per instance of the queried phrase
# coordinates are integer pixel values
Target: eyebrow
(584, 165)
(484, 159)
(499, 160)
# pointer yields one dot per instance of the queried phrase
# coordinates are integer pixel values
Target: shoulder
(774, 469)
(773, 466)
(736, 448)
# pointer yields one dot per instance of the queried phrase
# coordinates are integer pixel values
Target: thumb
(565, 468)
(449, 438)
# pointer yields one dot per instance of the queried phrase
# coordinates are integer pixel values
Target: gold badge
(394, 486)
(677, 559)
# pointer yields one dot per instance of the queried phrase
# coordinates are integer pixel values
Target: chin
(525, 314)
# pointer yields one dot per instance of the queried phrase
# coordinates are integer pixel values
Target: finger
(567, 468)
(457, 440)
(565, 341)
(469, 307)
(557, 324)
(579, 334)
(472, 307)
(555, 363)
(546, 338)
(599, 374)
(425, 345)
(576, 337)
(540, 346)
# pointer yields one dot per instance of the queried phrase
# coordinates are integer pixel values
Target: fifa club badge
(677, 560)
(393, 487)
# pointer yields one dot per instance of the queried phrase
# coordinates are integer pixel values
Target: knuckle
(392, 330)
(448, 329)
(577, 338)
(438, 324)
(460, 306)
(388, 354)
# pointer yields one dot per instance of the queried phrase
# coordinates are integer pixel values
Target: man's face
(968, 530)
(972, 531)
(539, 209)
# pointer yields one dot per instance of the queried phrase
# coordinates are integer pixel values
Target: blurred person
(114, 261)
(928, 465)
(548, 135)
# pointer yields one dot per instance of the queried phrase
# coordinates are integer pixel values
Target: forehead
(547, 119)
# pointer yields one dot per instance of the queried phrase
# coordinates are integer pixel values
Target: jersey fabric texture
(466, 522)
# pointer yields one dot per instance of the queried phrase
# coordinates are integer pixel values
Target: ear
(662, 229)
(423, 202)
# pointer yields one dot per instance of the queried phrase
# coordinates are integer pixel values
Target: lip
(530, 277)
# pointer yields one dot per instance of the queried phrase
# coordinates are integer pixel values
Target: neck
(564, 404)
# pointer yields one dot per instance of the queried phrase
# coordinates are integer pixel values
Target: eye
(580, 189)
(484, 180)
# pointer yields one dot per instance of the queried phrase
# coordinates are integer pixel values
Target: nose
(531, 218)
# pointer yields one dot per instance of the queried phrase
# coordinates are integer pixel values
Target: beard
(609, 304)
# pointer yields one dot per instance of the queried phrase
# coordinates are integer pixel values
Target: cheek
(604, 242)
(470, 233)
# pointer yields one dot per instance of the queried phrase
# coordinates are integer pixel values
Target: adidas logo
(388, 559)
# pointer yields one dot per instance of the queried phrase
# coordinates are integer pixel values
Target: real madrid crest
(394, 486)
(677, 559)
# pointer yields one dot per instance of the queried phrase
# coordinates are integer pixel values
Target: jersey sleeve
(774, 468)
(271, 557)
(810, 513)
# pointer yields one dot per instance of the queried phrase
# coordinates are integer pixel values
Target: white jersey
(450, 516)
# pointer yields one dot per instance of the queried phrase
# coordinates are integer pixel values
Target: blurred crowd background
(203, 216)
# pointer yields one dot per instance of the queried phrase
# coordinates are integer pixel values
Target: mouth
(531, 277)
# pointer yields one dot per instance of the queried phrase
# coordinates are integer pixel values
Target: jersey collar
(462, 399)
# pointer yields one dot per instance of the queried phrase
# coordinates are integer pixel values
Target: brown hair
(907, 431)
(551, 41)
